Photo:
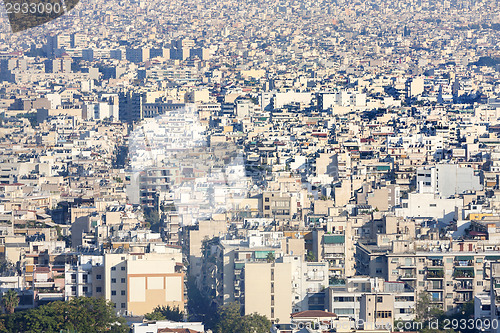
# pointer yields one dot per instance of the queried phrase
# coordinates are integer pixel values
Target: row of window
(409, 261)
(123, 305)
(422, 272)
(448, 283)
(114, 268)
(384, 314)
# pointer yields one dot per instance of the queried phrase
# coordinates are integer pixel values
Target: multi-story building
(452, 272)
(138, 282)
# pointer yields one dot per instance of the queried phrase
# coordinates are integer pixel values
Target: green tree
(152, 218)
(425, 310)
(270, 257)
(256, 323)
(230, 321)
(165, 312)
(81, 314)
(310, 257)
(10, 300)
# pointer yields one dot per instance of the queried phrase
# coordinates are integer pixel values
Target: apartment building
(138, 282)
(344, 298)
(452, 272)
(268, 290)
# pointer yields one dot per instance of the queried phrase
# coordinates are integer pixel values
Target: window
(123, 305)
(113, 268)
(98, 290)
(384, 314)
(266, 208)
(113, 292)
(343, 299)
(113, 280)
(123, 268)
(266, 200)
(479, 283)
(347, 311)
(380, 299)
(378, 271)
(123, 292)
(432, 205)
(123, 280)
(98, 277)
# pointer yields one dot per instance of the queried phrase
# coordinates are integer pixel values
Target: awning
(435, 258)
(334, 239)
(459, 258)
(463, 268)
(497, 257)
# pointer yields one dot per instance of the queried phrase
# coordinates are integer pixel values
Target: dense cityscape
(243, 166)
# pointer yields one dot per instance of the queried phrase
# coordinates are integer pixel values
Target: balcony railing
(464, 287)
(435, 274)
(437, 263)
(464, 263)
(463, 274)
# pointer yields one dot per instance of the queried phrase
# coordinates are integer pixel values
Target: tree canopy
(230, 321)
(165, 312)
(81, 314)
(10, 300)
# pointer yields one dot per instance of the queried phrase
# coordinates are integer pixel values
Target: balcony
(436, 300)
(435, 286)
(464, 286)
(408, 276)
(435, 274)
(463, 273)
(464, 263)
(437, 262)
(462, 299)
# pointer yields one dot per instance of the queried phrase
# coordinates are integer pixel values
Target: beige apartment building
(268, 290)
(377, 310)
(452, 272)
(336, 246)
(138, 282)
